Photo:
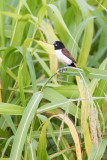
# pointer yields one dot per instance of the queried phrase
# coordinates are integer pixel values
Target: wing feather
(67, 54)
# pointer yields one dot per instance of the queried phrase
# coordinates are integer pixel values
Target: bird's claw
(63, 69)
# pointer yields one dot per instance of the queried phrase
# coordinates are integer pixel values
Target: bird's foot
(63, 69)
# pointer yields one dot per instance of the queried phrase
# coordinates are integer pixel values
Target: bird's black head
(58, 45)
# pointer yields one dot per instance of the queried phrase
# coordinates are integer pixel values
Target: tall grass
(45, 113)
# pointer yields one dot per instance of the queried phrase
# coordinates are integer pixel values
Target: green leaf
(22, 130)
(96, 73)
(13, 15)
(88, 34)
(42, 144)
(6, 145)
(94, 82)
(93, 73)
(59, 24)
(3, 123)
(10, 122)
(4, 158)
(32, 71)
(86, 44)
(58, 100)
(11, 109)
(97, 152)
(52, 95)
(44, 65)
(6, 81)
(68, 90)
(64, 132)
(41, 13)
(63, 104)
(21, 88)
(18, 26)
(2, 28)
(52, 58)
(101, 90)
(32, 147)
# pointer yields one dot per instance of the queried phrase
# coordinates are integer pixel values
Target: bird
(63, 55)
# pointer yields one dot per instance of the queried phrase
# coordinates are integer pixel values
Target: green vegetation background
(32, 121)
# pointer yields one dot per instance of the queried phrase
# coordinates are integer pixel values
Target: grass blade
(97, 152)
(24, 126)
(11, 109)
(21, 88)
(59, 24)
(10, 123)
(32, 71)
(18, 26)
(2, 24)
(41, 150)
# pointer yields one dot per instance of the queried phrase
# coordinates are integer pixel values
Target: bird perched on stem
(63, 55)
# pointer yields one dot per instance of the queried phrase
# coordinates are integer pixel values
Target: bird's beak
(54, 43)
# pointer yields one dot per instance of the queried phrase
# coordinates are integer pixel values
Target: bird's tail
(73, 65)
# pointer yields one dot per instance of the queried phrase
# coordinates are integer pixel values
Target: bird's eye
(56, 45)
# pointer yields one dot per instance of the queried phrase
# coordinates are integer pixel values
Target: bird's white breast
(62, 58)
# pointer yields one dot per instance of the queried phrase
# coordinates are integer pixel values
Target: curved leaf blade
(11, 109)
(24, 126)
(96, 153)
(42, 145)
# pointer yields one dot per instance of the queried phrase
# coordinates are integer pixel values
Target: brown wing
(67, 54)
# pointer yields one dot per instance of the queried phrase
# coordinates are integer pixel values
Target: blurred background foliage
(28, 28)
